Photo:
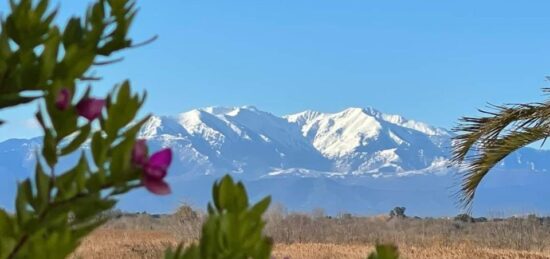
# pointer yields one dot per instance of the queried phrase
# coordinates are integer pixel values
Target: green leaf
(48, 58)
(132, 131)
(42, 187)
(76, 142)
(99, 149)
(73, 181)
(88, 208)
(6, 224)
(6, 245)
(225, 194)
(49, 148)
(124, 107)
(385, 252)
(22, 202)
(73, 33)
(259, 208)
(232, 230)
(9, 100)
(120, 158)
(40, 119)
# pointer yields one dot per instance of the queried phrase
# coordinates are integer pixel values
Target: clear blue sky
(428, 60)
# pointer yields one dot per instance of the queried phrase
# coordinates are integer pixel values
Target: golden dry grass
(151, 244)
(125, 244)
(311, 251)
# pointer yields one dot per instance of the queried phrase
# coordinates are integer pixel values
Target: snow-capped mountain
(233, 140)
(356, 160)
(352, 142)
(366, 141)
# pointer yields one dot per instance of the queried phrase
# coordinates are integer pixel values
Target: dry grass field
(316, 236)
(120, 244)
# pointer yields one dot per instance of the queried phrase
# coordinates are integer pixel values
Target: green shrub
(233, 229)
(46, 64)
(385, 252)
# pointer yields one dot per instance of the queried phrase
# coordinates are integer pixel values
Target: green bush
(385, 252)
(233, 229)
(46, 64)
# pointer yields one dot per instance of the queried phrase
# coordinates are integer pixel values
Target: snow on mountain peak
(230, 111)
(165, 126)
(340, 133)
(367, 140)
(403, 122)
(308, 115)
(302, 118)
(150, 128)
(354, 140)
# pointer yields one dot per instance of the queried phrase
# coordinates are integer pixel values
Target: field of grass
(106, 243)
(315, 235)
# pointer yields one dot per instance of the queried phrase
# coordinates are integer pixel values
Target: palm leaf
(492, 153)
(483, 142)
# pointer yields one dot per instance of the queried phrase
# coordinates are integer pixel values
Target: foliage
(483, 142)
(233, 229)
(39, 58)
(398, 212)
(466, 218)
(44, 62)
(385, 252)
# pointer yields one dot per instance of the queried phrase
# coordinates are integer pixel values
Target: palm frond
(492, 153)
(482, 142)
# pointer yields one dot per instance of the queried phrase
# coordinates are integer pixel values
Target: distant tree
(464, 218)
(398, 212)
(480, 219)
(484, 141)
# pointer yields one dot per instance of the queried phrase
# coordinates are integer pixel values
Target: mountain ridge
(355, 140)
(359, 160)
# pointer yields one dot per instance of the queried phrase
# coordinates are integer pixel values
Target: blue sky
(432, 61)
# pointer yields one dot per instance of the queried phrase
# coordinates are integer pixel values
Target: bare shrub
(186, 223)
(530, 233)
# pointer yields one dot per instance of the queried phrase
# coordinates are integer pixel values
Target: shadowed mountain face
(357, 160)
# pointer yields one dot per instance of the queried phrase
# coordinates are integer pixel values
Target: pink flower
(157, 187)
(154, 168)
(63, 99)
(157, 165)
(90, 108)
(154, 171)
(139, 152)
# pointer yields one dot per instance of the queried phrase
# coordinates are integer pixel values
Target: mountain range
(359, 160)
